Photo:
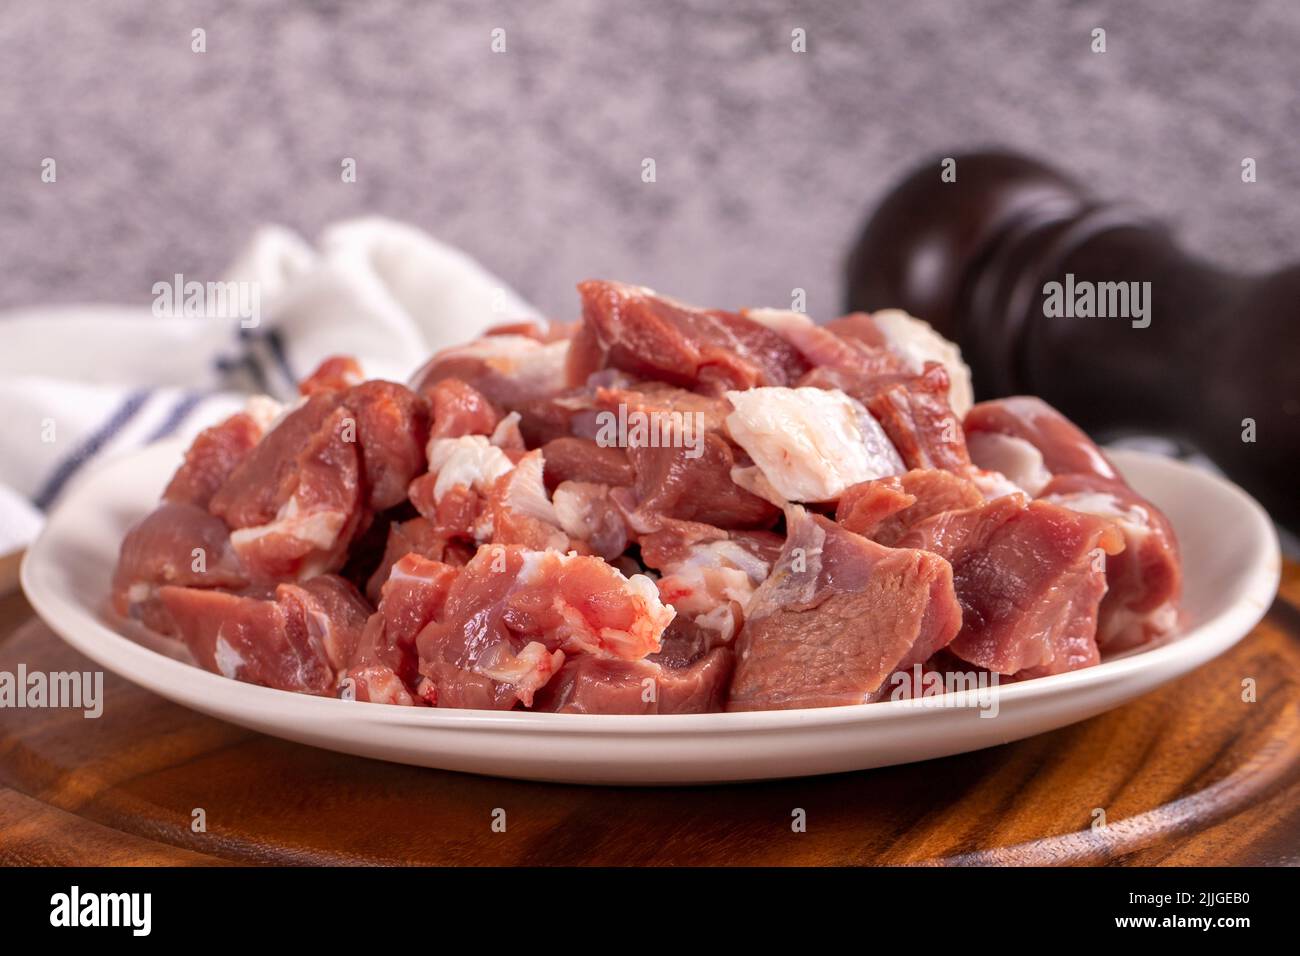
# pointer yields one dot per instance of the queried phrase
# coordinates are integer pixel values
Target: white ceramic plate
(1231, 564)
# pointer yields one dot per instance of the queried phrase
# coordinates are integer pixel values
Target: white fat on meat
(992, 484)
(470, 460)
(574, 511)
(319, 529)
(1014, 458)
(525, 490)
(507, 433)
(711, 578)
(228, 659)
(528, 671)
(650, 615)
(820, 346)
(537, 368)
(810, 443)
(794, 576)
(755, 482)
(524, 493)
(1134, 521)
(916, 342)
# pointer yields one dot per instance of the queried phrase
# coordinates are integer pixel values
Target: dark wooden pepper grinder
(1214, 361)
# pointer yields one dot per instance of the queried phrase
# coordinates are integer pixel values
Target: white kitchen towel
(79, 383)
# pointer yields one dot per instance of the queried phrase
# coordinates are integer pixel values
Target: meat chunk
(297, 639)
(1013, 458)
(681, 460)
(418, 536)
(453, 494)
(520, 512)
(458, 409)
(584, 460)
(912, 408)
(708, 574)
(1045, 453)
(388, 422)
(391, 429)
(336, 373)
(917, 344)
(651, 336)
(543, 330)
(859, 327)
(810, 444)
(1030, 577)
(593, 685)
(569, 413)
(677, 483)
(510, 370)
(1144, 581)
(588, 513)
(883, 510)
(1063, 446)
(385, 665)
(837, 616)
(296, 500)
(823, 346)
(212, 458)
(513, 614)
(916, 416)
(176, 543)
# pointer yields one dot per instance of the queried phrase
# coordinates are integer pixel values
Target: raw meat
(594, 685)
(582, 459)
(651, 336)
(416, 536)
(1030, 577)
(509, 370)
(837, 616)
(809, 443)
(336, 373)
(883, 510)
(385, 666)
(458, 409)
(1064, 448)
(513, 614)
(708, 575)
(174, 544)
(1047, 455)
(296, 500)
(917, 344)
(210, 460)
(1144, 581)
(822, 346)
(299, 638)
(656, 509)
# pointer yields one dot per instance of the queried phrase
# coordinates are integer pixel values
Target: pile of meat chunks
(813, 509)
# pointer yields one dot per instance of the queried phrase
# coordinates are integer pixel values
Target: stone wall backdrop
(531, 159)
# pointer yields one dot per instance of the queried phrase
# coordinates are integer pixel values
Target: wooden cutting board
(1190, 774)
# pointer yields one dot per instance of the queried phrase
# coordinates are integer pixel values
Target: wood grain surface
(1190, 774)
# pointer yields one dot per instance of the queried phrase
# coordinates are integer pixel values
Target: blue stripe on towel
(90, 447)
(180, 411)
(276, 343)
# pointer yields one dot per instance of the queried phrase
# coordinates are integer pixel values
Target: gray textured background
(531, 159)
